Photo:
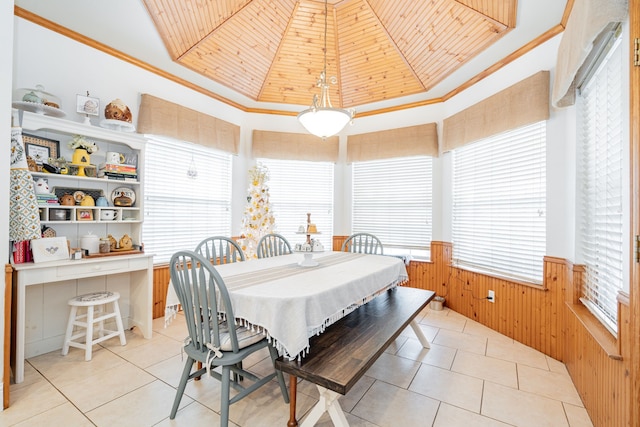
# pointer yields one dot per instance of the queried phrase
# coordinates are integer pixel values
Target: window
(181, 211)
(602, 192)
(499, 203)
(392, 199)
(297, 188)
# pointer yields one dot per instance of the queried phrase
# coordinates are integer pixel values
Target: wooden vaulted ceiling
(273, 50)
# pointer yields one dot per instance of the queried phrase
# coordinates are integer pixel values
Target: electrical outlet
(491, 296)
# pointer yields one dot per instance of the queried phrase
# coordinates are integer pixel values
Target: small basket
(437, 303)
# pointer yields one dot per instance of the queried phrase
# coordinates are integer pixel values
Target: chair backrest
(273, 245)
(220, 250)
(202, 295)
(363, 243)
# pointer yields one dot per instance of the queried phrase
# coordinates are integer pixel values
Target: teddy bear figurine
(113, 244)
(125, 243)
(117, 110)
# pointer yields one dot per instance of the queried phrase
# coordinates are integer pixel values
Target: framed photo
(40, 149)
(84, 214)
(87, 105)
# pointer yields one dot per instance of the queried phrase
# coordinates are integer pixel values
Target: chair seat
(228, 358)
(94, 298)
(246, 337)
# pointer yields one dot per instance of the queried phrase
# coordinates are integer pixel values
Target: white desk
(139, 267)
(292, 303)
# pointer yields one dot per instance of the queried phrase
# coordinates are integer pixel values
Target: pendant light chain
(322, 119)
(326, 15)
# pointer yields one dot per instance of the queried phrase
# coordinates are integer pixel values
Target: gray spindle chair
(220, 250)
(203, 296)
(273, 245)
(363, 243)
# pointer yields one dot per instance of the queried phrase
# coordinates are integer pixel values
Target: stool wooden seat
(96, 312)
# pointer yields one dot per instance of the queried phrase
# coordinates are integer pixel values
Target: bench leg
(328, 403)
(416, 329)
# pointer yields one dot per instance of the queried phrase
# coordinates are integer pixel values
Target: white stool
(86, 321)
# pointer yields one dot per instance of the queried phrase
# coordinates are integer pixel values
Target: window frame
(179, 210)
(303, 184)
(386, 180)
(478, 214)
(591, 249)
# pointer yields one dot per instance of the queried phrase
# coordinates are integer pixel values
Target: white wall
(73, 68)
(67, 68)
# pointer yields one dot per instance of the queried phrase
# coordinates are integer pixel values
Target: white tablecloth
(290, 303)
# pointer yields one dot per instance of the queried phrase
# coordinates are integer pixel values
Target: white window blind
(297, 188)
(499, 203)
(181, 211)
(392, 199)
(601, 191)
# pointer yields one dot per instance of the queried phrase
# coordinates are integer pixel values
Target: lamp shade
(324, 121)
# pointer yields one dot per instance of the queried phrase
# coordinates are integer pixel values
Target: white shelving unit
(128, 219)
(41, 290)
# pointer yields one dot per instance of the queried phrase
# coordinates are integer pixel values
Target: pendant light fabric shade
(322, 119)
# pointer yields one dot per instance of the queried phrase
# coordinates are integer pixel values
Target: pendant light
(322, 119)
(192, 172)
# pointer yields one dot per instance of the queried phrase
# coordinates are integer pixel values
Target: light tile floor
(471, 376)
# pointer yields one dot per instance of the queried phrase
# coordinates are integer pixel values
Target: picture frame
(88, 105)
(40, 149)
(50, 249)
(84, 214)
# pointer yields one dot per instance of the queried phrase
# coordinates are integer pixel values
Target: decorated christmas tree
(258, 219)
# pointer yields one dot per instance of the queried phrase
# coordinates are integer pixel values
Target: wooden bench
(341, 355)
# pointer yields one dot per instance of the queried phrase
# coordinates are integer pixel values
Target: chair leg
(69, 333)
(181, 386)
(89, 337)
(224, 398)
(236, 377)
(116, 310)
(279, 376)
(100, 312)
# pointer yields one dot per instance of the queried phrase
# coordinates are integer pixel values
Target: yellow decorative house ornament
(83, 148)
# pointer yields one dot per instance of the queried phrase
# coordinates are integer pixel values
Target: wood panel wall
(634, 137)
(548, 318)
(161, 278)
(6, 379)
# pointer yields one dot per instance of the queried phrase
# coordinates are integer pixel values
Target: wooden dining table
(291, 303)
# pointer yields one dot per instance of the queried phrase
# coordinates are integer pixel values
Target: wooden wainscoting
(161, 277)
(6, 372)
(549, 318)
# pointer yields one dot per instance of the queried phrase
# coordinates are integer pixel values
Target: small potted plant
(83, 148)
(81, 142)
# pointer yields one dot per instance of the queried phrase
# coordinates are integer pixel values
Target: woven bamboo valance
(524, 103)
(588, 20)
(419, 140)
(293, 146)
(160, 117)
